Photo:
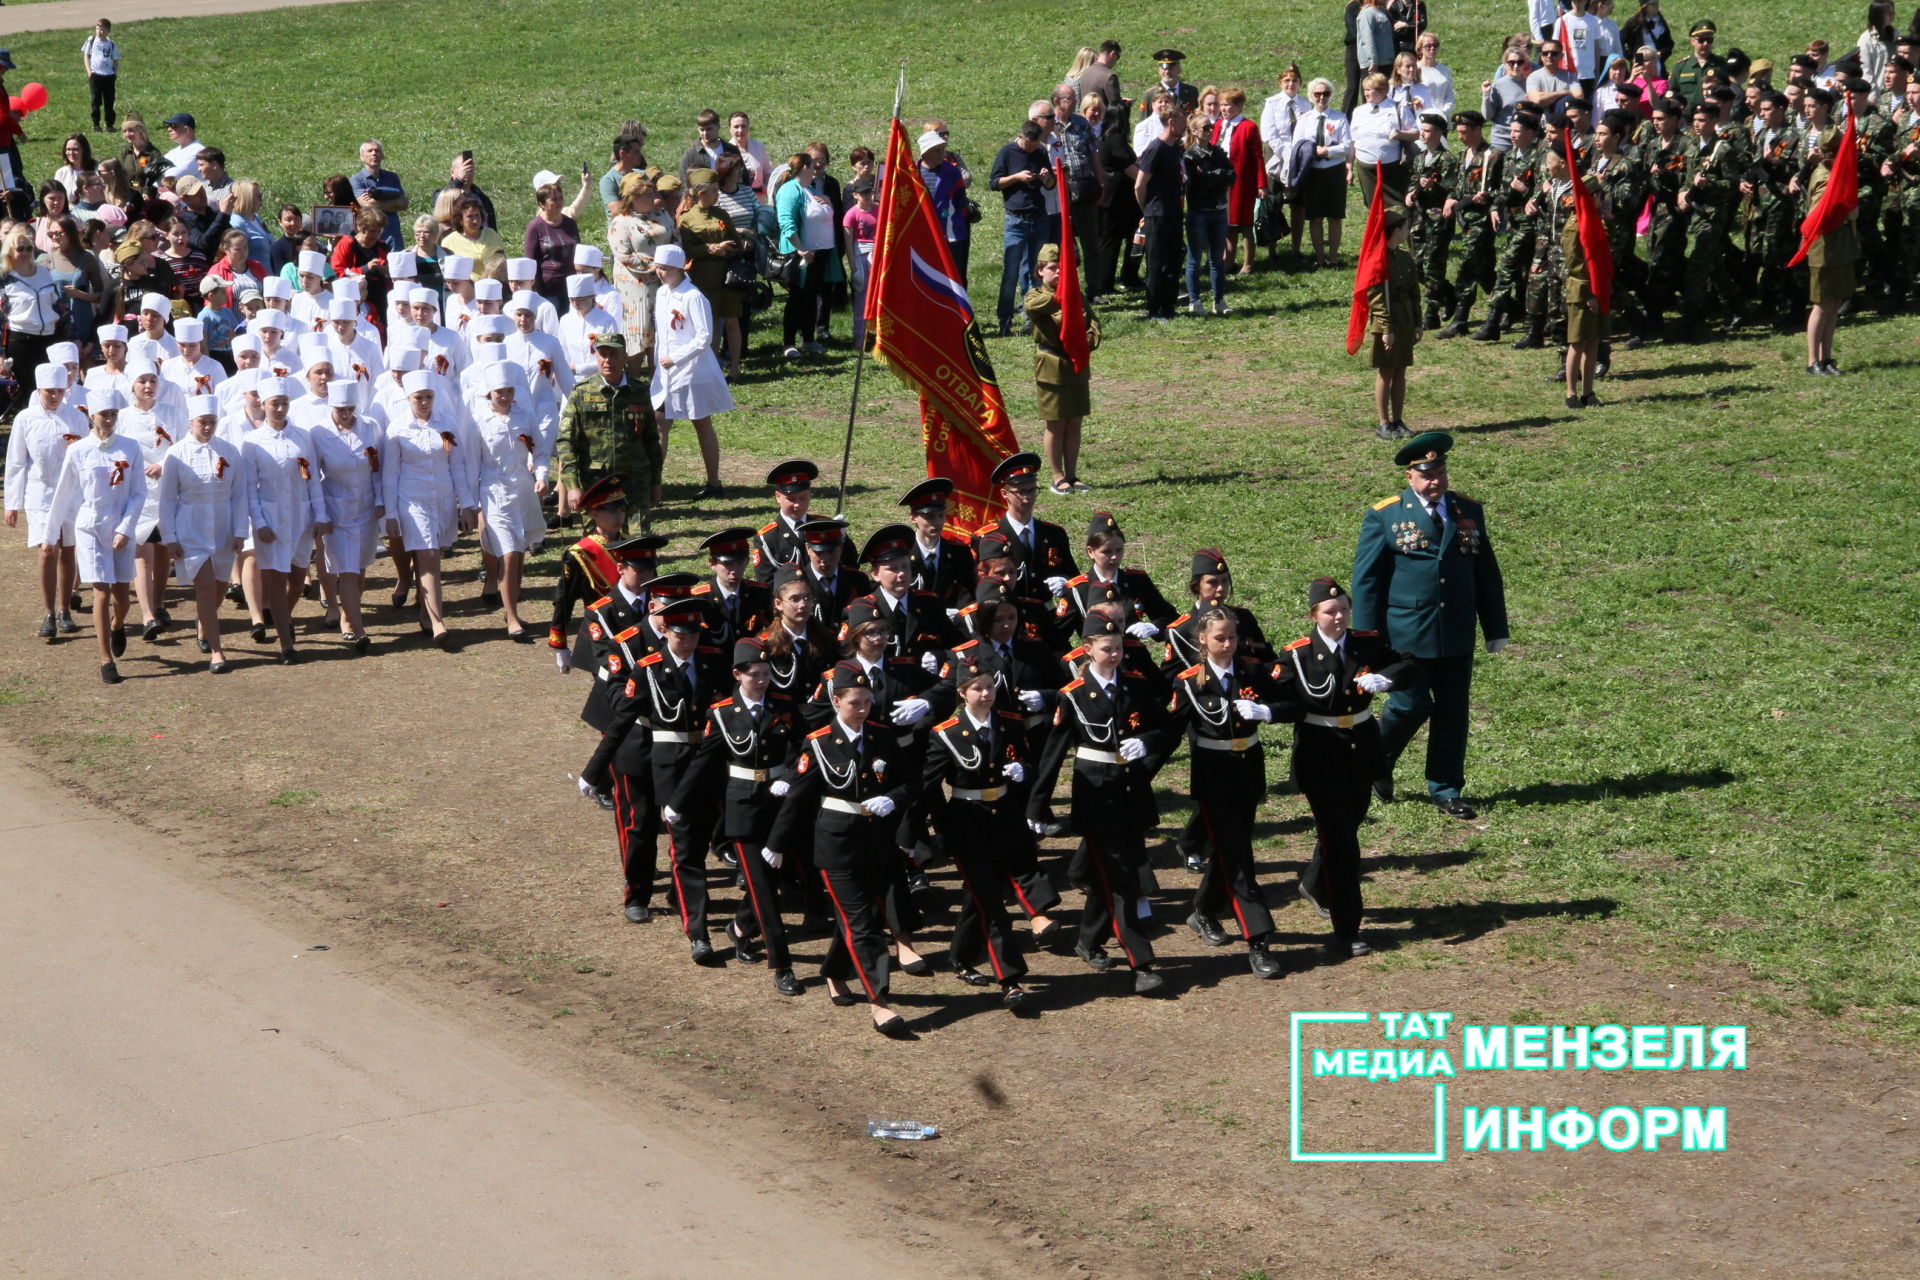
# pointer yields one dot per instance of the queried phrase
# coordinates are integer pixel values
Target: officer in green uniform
(1665, 158)
(1433, 176)
(608, 427)
(1684, 77)
(1471, 200)
(1423, 573)
(1516, 256)
(1708, 188)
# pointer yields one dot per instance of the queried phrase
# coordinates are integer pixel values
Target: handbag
(1269, 220)
(740, 272)
(784, 269)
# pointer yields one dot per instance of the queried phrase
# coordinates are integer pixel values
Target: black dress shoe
(236, 594)
(744, 949)
(604, 800)
(1307, 896)
(845, 999)
(1345, 948)
(491, 599)
(1456, 808)
(1263, 963)
(203, 646)
(702, 951)
(163, 617)
(728, 858)
(895, 1028)
(975, 978)
(361, 643)
(919, 968)
(785, 983)
(445, 642)
(1208, 928)
(151, 631)
(1055, 828)
(288, 658)
(1383, 789)
(400, 597)
(637, 913)
(119, 638)
(709, 492)
(219, 668)
(259, 634)
(1146, 982)
(917, 881)
(1097, 959)
(110, 673)
(46, 631)
(522, 636)
(1196, 862)
(1019, 999)
(63, 622)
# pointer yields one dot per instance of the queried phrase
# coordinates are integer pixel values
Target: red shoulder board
(1074, 582)
(1071, 687)
(769, 526)
(1190, 671)
(966, 644)
(707, 648)
(724, 702)
(601, 603)
(1302, 642)
(1177, 621)
(947, 723)
(702, 589)
(651, 658)
(1078, 651)
(628, 634)
(821, 733)
(1010, 715)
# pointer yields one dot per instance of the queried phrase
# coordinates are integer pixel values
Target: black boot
(1490, 327)
(1535, 335)
(1458, 325)
(1431, 320)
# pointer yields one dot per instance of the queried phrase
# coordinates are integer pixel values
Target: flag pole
(860, 350)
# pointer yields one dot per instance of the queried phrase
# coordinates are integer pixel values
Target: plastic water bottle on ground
(905, 1130)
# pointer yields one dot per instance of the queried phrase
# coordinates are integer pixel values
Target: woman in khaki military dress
(711, 241)
(1830, 265)
(1586, 323)
(1064, 396)
(1393, 318)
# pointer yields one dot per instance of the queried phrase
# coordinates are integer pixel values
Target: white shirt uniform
(155, 351)
(309, 310)
(428, 475)
(101, 488)
(1327, 129)
(1277, 117)
(683, 333)
(577, 335)
(35, 450)
(446, 353)
(512, 458)
(182, 161)
(549, 377)
(350, 490)
(156, 431)
(203, 505)
(286, 495)
(201, 378)
(309, 411)
(1372, 129)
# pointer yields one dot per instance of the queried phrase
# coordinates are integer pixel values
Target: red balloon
(33, 96)
(18, 107)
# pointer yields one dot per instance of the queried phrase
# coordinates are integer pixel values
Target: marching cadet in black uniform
(671, 690)
(623, 604)
(917, 623)
(586, 570)
(847, 785)
(1043, 560)
(778, 541)
(753, 740)
(1115, 720)
(799, 649)
(1326, 682)
(1222, 701)
(832, 583)
(741, 605)
(1147, 612)
(994, 564)
(981, 754)
(1210, 583)
(621, 634)
(943, 562)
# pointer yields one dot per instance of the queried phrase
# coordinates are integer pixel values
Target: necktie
(686, 675)
(1220, 678)
(758, 713)
(1006, 655)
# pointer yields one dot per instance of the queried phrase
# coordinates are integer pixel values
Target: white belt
(985, 795)
(745, 774)
(672, 735)
(1098, 757)
(1227, 744)
(1340, 722)
(843, 806)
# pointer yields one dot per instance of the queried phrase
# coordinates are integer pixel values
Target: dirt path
(196, 1091)
(76, 15)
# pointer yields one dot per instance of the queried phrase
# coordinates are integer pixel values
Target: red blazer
(1249, 169)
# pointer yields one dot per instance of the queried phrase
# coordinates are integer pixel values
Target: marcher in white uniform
(153, 342)
(111, 372)
(356, 358)
(457, 270)
(203, 516)
(101, 489)
(687, 382)
(520, 276)
(428, 475)
(156, 427)
(446, 350)
(348, 445)
(311, 408)
(590, 262)
(39, 441)
(276, 354)
(513, 473)
(549, 376)
(309, 307)
(287, 508)
(68, 354)
(246, 358)
(583, 325)
(193, 371)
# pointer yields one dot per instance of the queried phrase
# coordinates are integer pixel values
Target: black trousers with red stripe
(636, 825)
(1113, 859)
(976, 838)
(598, 771)
(687, 842)
(1227, 789)
(1333, 877)
(859, 953)
(759, 913)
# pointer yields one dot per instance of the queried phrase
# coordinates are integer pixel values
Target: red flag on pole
(1371, 269)
(924, 329)
(1594, 245)
(1073, 309)
(1841, 197)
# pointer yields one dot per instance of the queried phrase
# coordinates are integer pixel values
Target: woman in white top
(348, 445)
(1876, 46)
(1381, 128)
(38, 442)
(203, 516)
(193, 371)
(156, 426)
(428, 473)
(1436, 77)
(31, 297)
(513, 473)
(751, 151)
(806, 229)
(1323, 185)
(101, 488)
(286, 507)
(687, 382)
(1277, 117)
(640, 225)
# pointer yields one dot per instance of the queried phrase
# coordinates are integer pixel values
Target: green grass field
(1706, 723)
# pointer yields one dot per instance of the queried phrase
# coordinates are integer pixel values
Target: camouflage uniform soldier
(608, 428)
(1878, 139)
(1470, 202)
(1621, 178)
(1516, 257)
(1551, 206)
(1905, 188)
(1433, 174)
(1770, 213)
(1665, 158)
(1707, 196)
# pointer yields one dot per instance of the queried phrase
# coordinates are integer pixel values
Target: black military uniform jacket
(1183, 646)
(587, 572)
(1311, 680)
(1206, 711)
(658, 701)
(919, 626)
(832, 778)
(774, 545)
(616, 637)
(748, 753)
(950, 575)
(1133, 589)
(829, 606)
(960, 755)
(1087, 719)
(1030, 667)
(894, 681)
(1051, 556)
(744, 613)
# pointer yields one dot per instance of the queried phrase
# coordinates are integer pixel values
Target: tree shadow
(1512, 424)
(1698, 368)
(1628, 787)
(1709, 393)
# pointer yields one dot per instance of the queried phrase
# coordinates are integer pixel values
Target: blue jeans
(1020, 244)
(1207, 234)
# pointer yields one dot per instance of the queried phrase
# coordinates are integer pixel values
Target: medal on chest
(1409, 536)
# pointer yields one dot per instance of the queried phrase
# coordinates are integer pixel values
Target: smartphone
(467, 155)
(586, 170)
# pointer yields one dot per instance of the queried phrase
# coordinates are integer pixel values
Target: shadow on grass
(1629, 787)
(1710, 393)
(1512, 424)
(1699, 368)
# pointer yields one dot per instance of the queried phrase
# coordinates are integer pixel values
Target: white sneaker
(791, 353)
(1222, 309)
(1198, 307)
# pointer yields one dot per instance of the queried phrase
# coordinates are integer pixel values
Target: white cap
(545, 178)
(51, 377)
(189, 331)
(64, 353)
(488, 290)
(341, 393)
(425, 297)
(416, 381)
(155, 302)
(276, 287)
(202, 407)
(503, 373)
(271, 386)
(110, 333)
(350, 288)
(246, 342)
(272, 318)
(404, 358)
(403, 262)
(343, 309)
(492, 326)
(928, 141)
(524, 300)
(312, 263)
(670, 255)
(586, 255)
(580, 286)
(106, 401)
(138, 368)
(314, 348)
(522, 268)
(456, 266)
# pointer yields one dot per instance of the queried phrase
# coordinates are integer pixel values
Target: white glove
(778, 789)
(667, 812)
(772, 859)
(1038, 828)
(930, 663)
(1247, 709)
(1143, 631)
(1132, 749)
(1373, 682)
(878, 806)
(563, 660)
(1495, 646)
(1032, 700)
(953, 615)
(1056, 585)
(910, 711)
(1015, 772)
